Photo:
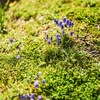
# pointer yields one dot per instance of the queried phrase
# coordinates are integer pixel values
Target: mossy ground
(72, 71)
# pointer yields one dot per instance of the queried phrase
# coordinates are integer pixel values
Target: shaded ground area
(5, 1)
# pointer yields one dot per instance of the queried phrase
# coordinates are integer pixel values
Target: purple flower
(67, 21)
(43, 81)
(19, 96)
(19, 48)
(32, 96)
(71, 33)
(18, 57)
(47, 36)
(23, 98)
(60, 22)
(51, 38)
(64, 19)
(58, 44)
(45, 40)
(63, 32)
(11, 40)
(72, 24)
(49, 42)
(39, 98)
(40, 73)
(26, 96)
(54, 19)
(36, 84)
(58, 37)
(28, 80)
(69, 25)
(36, 77)
(62, 26)
(31, 99)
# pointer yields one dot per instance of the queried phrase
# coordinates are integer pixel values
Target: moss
(71, 70)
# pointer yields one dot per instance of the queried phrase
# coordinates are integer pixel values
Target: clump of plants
(65, 25)
(63, 39)
(18, 56)
(39, 85)
(2, 16)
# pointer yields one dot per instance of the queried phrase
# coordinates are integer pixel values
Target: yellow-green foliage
(71, 70)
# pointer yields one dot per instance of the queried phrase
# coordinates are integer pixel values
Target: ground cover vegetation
(51, 50)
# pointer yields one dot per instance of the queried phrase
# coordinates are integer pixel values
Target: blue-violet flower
(71, 33)
(60, 22)
(28, 80)
(58, 44)
(36, 84)
(18, 57)
(49, 42)
(67, 21)
(72, 24)
(51, 38)
(64, 19)
(47, 36)
(26, 96)
(40, 73)
(36, 77)
(63, 32)
(58, 37)
(43, 81)
(54, 19)
(19, 48)
(62, 26)
(45, 40)
(11, 40)
(69, 25)
(19, 96)
(39, 98)
(32, 96)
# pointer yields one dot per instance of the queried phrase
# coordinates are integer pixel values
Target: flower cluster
(36, 84)
(18, 57)
(32, 97)
(58, 39)
(49, 41)
(62, 24)
(67, 23)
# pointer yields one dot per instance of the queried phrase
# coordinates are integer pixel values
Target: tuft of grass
(2, 16)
